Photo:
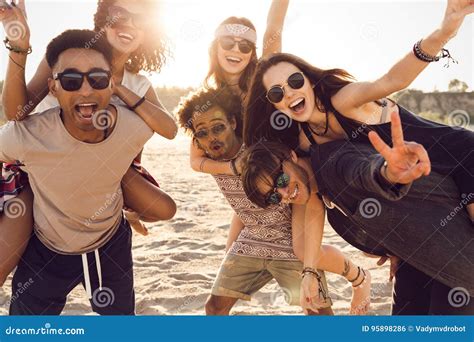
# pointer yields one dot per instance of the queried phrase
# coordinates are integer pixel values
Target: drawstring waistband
(87, 279)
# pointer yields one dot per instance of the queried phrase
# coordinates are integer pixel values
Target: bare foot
(134, 219)
(360, 303)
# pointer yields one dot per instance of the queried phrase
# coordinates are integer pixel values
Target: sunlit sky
(365, 38)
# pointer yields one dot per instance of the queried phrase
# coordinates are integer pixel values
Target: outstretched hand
(14, 19)
(406, 161)
(456, 11)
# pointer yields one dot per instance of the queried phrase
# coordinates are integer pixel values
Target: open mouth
(86, 111)
(298, 106)
(233, 60)
(295, 193)
(216, 147)
(125, 37)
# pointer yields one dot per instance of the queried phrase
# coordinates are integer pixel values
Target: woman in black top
(331, 106)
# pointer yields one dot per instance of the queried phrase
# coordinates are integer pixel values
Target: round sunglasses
(215, 130)
(119, 16)
(281, 181)
(72, 80)
(228, 43)
(276, 93)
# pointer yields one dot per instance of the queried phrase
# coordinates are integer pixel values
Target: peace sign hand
(406, 161)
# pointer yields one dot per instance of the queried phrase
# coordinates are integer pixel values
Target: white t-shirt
(137, 83)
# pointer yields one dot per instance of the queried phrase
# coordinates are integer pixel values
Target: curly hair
(153, 53)
(203, 100)
(215, 76)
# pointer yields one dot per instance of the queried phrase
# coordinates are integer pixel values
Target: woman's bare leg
(16, 225)
(149, 201)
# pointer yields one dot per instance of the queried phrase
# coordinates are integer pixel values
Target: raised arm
(20, 99)
(272, 40)
(404, 72)
(201, 163)
(151, 111)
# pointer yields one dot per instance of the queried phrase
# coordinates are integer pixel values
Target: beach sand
(176, 264)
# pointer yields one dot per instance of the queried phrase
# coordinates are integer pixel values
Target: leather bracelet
(138, 104)
(312, 271)
(423, 56)
(15, 49)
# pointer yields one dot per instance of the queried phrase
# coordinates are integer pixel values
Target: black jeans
(44, 278)
(415, 293)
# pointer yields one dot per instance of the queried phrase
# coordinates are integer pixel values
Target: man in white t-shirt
(76, 156)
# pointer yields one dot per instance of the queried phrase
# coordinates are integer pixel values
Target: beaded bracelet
(423, 56)
(15, 49)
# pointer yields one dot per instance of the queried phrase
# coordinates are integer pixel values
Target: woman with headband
(233, 58)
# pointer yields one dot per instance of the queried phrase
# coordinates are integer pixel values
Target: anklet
(357, 277)
(362, 282)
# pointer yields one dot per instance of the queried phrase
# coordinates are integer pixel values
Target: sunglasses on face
(215, 130)
(228, 43)
(277, 92)
(281, 181)
(119, 16)
(72, 80)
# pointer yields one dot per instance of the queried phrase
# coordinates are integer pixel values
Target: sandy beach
(176, 264)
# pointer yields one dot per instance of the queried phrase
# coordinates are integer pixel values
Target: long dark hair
(263, 122)
(215, 76)
(152, 54)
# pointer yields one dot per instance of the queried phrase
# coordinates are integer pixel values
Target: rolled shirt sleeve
(10, 143)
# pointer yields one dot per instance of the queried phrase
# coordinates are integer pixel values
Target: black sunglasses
(228, 43)
(215, 130)
(277, 92)
(119, 16)
(72, 80)
(281, 181)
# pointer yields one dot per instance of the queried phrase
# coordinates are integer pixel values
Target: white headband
(237, 30)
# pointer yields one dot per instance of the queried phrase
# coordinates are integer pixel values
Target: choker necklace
(326, 129)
